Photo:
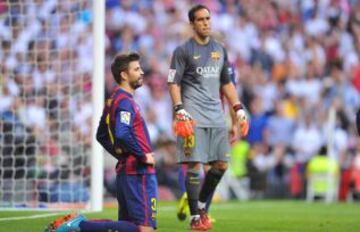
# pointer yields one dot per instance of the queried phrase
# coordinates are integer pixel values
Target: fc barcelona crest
(215, 55)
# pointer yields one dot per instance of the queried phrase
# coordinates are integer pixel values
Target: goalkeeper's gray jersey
(200, 70)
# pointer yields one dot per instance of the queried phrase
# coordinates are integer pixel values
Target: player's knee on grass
(146, 229)
(220, 165)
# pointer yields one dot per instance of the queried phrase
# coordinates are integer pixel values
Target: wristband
(178, 107)
(237, 107)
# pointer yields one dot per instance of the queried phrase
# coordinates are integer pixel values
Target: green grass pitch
(259, 216)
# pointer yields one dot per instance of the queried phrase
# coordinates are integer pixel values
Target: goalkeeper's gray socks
(192, 184)
(212, 179)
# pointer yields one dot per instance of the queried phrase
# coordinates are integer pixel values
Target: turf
(261, 216)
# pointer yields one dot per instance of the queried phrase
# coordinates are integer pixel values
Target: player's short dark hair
(194, 9)
(121, 64)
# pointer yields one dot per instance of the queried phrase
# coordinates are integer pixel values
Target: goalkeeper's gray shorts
(207, 145)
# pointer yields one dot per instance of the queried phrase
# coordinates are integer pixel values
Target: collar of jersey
(124, 91)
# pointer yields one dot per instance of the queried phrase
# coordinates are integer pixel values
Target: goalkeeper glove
(183, 122)
(242, 117)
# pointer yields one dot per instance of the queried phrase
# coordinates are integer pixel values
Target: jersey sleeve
(227, 72)
(177, 66)
(125, 136)
(102, 135)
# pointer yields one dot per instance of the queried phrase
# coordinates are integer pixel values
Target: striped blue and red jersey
(123, 133)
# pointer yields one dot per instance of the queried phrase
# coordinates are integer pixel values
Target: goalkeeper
(123, 133)
(199, 68)
(183, 207)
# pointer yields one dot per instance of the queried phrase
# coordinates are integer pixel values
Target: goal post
(51, 98)
(97, 160)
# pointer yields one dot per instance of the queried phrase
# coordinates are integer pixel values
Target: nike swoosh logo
(196, 57)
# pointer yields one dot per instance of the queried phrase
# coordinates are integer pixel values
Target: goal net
(46, 112)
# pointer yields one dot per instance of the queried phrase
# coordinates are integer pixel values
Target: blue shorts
(137, 197)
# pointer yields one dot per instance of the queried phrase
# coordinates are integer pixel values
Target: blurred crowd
(45, 107)
(296, 61)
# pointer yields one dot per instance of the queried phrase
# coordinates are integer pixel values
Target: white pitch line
(29, 217)
(163, 208)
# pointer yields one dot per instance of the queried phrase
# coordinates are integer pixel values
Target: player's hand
(182, 115)
(149, 159)
(243, 119)
(241, 115)
(184, 123)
